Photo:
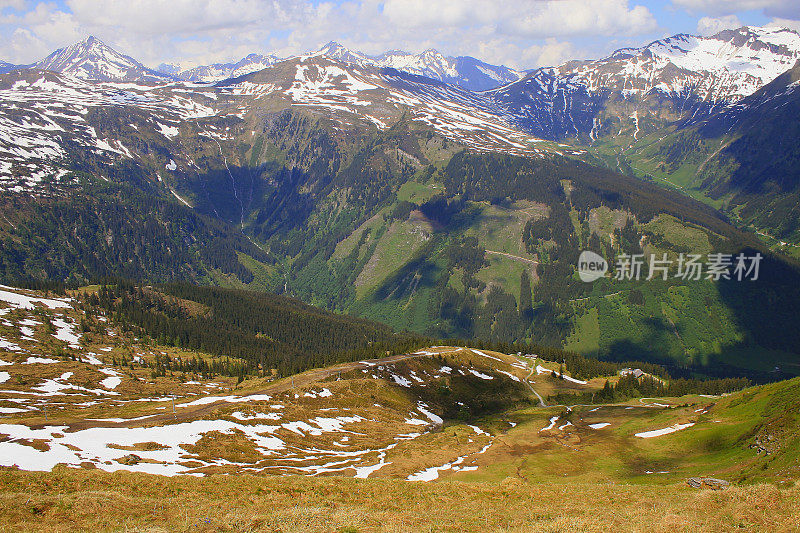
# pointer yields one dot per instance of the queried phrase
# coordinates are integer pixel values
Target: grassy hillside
(103, 502)
(91, 408)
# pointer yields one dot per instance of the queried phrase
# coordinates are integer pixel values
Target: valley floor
(91, 500)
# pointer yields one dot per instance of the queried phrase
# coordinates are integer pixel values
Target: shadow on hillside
(271, 199)
(767, 311)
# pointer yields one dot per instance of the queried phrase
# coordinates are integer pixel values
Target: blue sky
(519, 33)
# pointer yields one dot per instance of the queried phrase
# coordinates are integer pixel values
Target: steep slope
(743, 159)
(91, 59)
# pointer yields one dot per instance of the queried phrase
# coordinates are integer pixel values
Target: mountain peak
(333, 47)
(92, 59)
(430, 63)
(774, 35)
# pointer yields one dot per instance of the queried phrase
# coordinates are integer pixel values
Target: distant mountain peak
(332, 45)
(466, 72)
(221, 71)
(724, 67)
(92, 59)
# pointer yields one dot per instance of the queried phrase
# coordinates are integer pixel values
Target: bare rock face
(708, 483)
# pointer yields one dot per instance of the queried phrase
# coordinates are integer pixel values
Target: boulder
(715, 484)
(708, 483)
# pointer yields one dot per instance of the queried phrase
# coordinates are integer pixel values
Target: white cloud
(528, 18)
(177, 17)
(578, 18)
(551, 52)
(711, 25)
(13, 4)
(522, 33)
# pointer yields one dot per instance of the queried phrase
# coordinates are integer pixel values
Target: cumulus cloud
(522, 33)
(528, 18)
(711, 25)
(721, 13)
(178, 17)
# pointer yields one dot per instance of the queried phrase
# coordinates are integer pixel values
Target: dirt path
(515, 257)
(528, 383)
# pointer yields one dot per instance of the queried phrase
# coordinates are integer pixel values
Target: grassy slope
(85, 500)
(581, 480)
(574, 478)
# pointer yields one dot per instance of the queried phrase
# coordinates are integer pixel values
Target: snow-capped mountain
(52, 124)
(91, 59)
(221, 71)
(724, 67)
(466, 72)
(45, 126)
(681, 76)
(357, 95)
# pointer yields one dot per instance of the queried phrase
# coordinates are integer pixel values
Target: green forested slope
(405, 227)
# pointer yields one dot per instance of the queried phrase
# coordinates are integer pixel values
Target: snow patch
(666, 431)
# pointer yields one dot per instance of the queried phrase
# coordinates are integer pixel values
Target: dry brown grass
(83, 500)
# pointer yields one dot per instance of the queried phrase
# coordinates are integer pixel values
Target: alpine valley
(441, 196)
(341, 291)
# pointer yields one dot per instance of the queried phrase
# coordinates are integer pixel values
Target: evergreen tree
(525, 299)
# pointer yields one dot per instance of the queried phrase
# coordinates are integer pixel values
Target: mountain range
(220, 71)
(387, 187)
(466, 72)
